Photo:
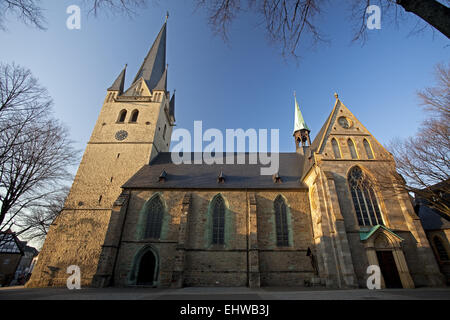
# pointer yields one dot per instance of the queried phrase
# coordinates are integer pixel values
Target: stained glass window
(364, 199)
(155, 212)
(281, 222)
(218, 236)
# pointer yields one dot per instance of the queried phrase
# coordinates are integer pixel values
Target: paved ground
(21, 293)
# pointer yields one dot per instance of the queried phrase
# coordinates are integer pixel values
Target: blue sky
(241, 84)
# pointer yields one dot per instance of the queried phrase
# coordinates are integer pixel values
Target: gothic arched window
(364, 199)
(368, 149)
(134, 116)
(122, 116)
(336, 150)
(351, 147)
(440, 249)
(165, 131)
(218, 221)
(281, 224)
(155, 212)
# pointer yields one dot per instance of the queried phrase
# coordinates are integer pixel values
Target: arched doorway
(147, 272)
(389, 269)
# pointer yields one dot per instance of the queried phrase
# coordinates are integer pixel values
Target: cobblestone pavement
(21, 293)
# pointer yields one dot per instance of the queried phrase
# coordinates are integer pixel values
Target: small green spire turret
(299, 123)
(301, 130)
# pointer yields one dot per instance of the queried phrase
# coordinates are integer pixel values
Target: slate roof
(204, 176)
(154, 65)
(162, 84)
(432, 220)
(118, 85)
(9, 243)
(315, 145)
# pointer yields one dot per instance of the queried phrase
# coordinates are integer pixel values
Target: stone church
(134, 218)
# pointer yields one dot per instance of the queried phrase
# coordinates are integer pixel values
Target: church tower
(133, 127)
(301, 130)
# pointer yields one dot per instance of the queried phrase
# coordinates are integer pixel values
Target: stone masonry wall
(219, 265)
(77, 236)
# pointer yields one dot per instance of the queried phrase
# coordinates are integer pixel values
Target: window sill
(217, 247)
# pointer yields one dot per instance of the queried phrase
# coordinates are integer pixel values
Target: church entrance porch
(383, 248)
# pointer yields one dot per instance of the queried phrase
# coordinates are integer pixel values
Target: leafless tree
(288, 23)
(292, 22)
(28, 11)
(34, 226)
(436, 100)
(22, 101)
(35, 150)
(31, 11)
(127, 7)
(423, 161)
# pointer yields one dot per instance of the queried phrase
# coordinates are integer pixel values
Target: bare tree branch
(221, 14)
(288, 23)
(127, 7)
(424, 160)
(27, 11)
(35, 150)
(433, 12)
(35, 225)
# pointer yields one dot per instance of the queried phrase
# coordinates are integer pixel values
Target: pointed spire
(162, 84)
(154, 65)
(118, 85)
(299, 123)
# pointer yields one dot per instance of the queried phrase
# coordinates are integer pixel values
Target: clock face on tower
(121, 135)
(344, 122)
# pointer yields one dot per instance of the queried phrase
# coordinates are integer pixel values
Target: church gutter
(162, 187)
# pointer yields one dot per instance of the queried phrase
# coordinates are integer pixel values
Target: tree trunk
(432, 11)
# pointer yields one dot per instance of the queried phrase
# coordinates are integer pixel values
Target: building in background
(24, 268)
(437, 228)
(16, 259)
(11, 252)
